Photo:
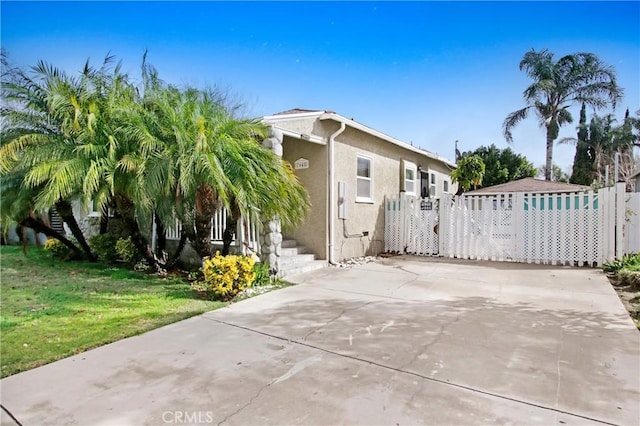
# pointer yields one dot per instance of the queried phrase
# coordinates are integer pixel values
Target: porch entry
(247, 235)
(576, 228)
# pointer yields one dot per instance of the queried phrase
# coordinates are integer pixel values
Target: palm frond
(512, 120)
(567, 141)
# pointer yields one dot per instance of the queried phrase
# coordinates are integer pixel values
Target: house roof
(529, 185)
(300, 113)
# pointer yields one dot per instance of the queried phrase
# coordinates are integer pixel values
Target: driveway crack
(253, 398)
(433, 341)
(293, 371)
(404, 284)
(415, 278)
(336, 318)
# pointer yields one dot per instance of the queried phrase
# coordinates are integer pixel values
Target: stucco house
(348, 168)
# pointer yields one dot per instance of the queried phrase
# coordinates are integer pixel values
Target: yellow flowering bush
(57, 248)
(226, 276)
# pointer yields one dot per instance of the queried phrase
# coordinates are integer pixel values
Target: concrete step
(286, 261)
(301, 269)
(294, 260)
(292, 251)
(289, 243)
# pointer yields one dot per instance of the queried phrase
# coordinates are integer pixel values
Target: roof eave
(285, 117)
(376, 133)
(535, 191)
(302, 136)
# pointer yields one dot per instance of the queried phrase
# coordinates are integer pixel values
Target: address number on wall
(301, 163)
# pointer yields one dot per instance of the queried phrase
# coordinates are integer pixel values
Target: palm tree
(207, 158)
(43, 113)
(609, 140)
(265, 188)
(576, 78)
(17, 207)
(66, 134)
(174, 129)
(158, 155)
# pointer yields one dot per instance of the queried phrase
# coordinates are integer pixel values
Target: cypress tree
(583, 161)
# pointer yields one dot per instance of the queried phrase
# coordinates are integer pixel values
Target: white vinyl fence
(632, 223)
(247, 238)
(411, 225)
(569, 228)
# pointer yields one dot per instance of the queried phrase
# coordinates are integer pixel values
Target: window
(445, 186)
(93, 209)
(432, 186)
(409, 173)
(364, 189)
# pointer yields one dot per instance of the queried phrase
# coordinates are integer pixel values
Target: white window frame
(92, 211)
(433, 184)
(369, 179)
(408, 165)
(445, 186)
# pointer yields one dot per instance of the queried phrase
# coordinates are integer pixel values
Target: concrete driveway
(403, 341)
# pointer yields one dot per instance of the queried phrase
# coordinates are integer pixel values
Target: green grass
(53, 309)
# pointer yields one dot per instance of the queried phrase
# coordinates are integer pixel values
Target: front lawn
(53, 309)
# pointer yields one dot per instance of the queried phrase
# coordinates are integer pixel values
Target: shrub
(57, 248)
(262, 272)
(226, 276)
(126, 250)
(628, 261)
(104, 246)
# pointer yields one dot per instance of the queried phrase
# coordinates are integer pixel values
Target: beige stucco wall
(361, 217)
(306, 125)
(300, 126)
(386, 175)
(313, 233)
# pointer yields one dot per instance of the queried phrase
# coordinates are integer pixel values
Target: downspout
(332, 192)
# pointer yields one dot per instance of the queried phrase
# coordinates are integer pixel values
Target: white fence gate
(571, 228)
(411, 225)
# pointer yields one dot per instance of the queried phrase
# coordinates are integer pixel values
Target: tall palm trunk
(38, 226)
(104, 223)
(161, 243)
(65, 211)
(549, 162)
(206, 206)
(126, 208)
(230, 229)
(173, 260)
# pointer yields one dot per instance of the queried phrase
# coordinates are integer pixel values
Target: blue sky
(428, 73)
